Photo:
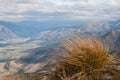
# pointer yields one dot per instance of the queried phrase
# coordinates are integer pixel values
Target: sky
(51, 10)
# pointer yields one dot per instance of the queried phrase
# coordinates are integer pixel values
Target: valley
(35, 54)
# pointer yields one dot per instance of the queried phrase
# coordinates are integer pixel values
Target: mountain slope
(6, 34)
(89, 28)
(18, 30)
(112, 40)
(21, 29)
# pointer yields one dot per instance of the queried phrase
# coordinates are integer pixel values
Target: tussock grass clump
(86, 59)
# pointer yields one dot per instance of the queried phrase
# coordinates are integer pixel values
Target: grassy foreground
(85, 59)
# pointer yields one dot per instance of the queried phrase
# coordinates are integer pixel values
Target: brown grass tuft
(86, 59)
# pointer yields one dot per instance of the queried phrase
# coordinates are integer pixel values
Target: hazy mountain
(6, 34)
(19, 30)
(53, 36)
(32, 28)
(115, 25)
(112, 40)
(22, 30)
(90, 28)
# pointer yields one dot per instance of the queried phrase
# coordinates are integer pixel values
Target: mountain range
(50, 33)
(89, 28)
(36, 54)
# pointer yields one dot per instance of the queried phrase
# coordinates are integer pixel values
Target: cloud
(18, 10)
(21, 1)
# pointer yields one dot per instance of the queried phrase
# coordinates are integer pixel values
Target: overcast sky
(42, 10)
